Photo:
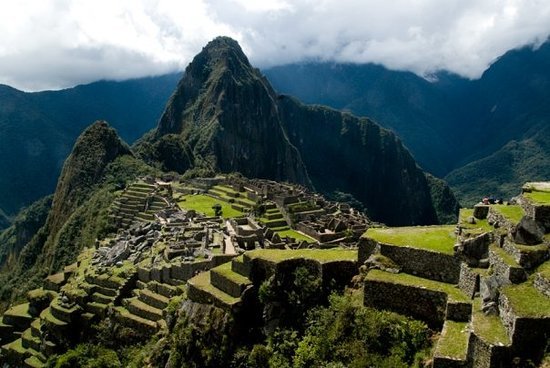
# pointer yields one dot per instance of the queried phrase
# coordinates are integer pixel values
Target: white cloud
(54, 44)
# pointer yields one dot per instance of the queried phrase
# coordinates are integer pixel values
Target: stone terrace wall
(484, 355)
(529, 335)
(420, 303)
(469, 280)
(424, 263)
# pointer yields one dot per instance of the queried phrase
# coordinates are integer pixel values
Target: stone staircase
(274, 218)
(237, 198)
(145, 310)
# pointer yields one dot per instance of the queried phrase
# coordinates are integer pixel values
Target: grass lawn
(454, 340)
(538, 197)
(526, 301)
(512, 212)
(481, 226)
(296, 235)
(435, 238)
(321, 255)
(203, 204)
(488, 327)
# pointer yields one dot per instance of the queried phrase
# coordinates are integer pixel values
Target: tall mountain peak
(225, 117)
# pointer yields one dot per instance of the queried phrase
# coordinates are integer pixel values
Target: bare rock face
(528, 232)
(225, 112)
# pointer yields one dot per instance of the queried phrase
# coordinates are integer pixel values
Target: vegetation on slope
(98, 166)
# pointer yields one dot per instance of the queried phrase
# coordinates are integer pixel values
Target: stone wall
(529, 258)
(366, 247)
(529, 335)
(420, 303)
(469, 280)
(542, 284)
(424, 263)
(179, 273)
(458, 311)
(337, 275)
(505, 272)
(484, 355)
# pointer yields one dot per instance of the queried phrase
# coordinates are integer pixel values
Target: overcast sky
(52, 44)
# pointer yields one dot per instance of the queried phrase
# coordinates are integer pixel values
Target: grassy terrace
(539, 197)
(512, 213)
(454, 340)
(203, 204)
(481, 226)
(502, 254)
(488, 327)
(526, 301)
(296, 235)
(544, 269)
(21, 310)
(321, 255)
(409, 280)
(225, 270)
(202, 281)
(435, 238)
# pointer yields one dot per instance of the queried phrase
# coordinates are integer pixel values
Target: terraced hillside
(485, 284)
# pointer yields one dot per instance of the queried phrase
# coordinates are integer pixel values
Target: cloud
(55, 44)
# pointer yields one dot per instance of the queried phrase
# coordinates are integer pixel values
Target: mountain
(99, 162)
(225, 116)
(450, 124)
(37, 130)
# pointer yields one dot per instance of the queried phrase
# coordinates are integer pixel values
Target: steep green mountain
(400, 101)
(448, 122)
(37, 130)
(224, 116)
(98, 163)
(224, 111)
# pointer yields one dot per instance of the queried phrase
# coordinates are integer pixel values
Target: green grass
(19, 310)
(538, 197)
(226, 271)
(296, 235)
(321, 255)
(409, 280)
(544, 269)
(488, 327)
(526, 301)
(202, 281)
(481, 226)
(435, 238)
(512, 213)
(203, 204)
(502, 254)
(454, 340)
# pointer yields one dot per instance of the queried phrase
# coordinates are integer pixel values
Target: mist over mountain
(449, 122)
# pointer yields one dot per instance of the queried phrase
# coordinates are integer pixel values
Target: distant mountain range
(485, 136)
(38, 130)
